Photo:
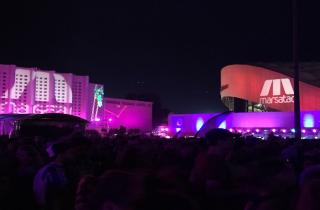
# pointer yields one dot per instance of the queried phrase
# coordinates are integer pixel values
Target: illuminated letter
(266, 88)
(287, 86)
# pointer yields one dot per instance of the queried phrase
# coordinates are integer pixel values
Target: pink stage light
(110, 119)
(314, 130)
(257, 130)
(303, 130)
(248, 130)
(164, 129)
(239, 131)
(284, 130)
(231, 130)
(274, 130)
(97, 119)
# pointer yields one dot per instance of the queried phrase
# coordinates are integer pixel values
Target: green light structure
(98, 93)
(97, 101)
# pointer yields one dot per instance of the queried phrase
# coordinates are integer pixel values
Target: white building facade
(31, 90)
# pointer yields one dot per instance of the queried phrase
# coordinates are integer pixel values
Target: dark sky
(172, 48)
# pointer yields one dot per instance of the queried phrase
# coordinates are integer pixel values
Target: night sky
(174, 49)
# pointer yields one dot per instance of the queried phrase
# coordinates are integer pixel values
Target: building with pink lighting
(131, 114)
(31, 90)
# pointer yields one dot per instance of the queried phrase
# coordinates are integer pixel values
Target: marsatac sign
(277, 97)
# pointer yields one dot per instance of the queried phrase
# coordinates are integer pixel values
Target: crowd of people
(221, 172)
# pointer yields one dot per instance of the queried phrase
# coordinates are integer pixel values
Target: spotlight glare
(199, 123)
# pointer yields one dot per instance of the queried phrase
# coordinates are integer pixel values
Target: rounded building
(247, 88)
(260, 101)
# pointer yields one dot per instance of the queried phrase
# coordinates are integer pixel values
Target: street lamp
(295, 56)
